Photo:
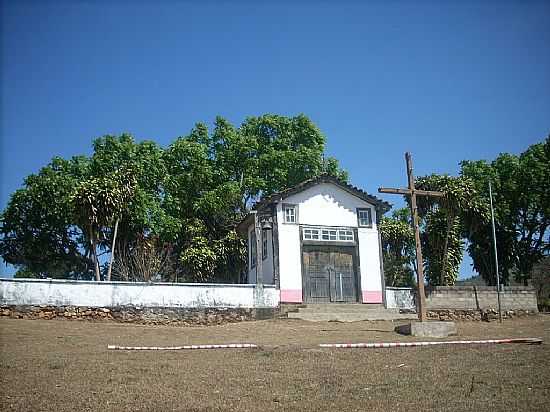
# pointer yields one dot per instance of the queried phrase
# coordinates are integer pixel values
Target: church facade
(317, 242)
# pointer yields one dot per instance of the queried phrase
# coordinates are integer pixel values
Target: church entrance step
(342, 307)
(345, 312)
(351, 316)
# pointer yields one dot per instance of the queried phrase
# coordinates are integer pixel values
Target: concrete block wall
(481, 297)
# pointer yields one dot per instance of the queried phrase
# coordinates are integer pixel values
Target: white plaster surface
(400, 298)
(290, 261)
(112, 294)
(369, 256)
(327, 205)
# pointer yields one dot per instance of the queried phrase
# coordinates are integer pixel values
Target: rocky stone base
(486, 315)
(130, 314)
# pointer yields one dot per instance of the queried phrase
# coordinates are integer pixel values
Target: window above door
(325, 234)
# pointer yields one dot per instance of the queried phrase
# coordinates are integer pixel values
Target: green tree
(285, 151)
(179, 204)
(540, 276)
(37, 233)
(98, 202)
(442, 247)
(398, 248)
(522, 212)
(215, 178)
(443, 223)
(143, 211)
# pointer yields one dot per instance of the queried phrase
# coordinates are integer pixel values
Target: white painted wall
(290, 261)
(400, 298)
(369, 257)
(327, 205)
(112, 294)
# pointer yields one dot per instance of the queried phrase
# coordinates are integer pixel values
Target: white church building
(317, 242)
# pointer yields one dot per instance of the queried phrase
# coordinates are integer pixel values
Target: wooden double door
(329, 274)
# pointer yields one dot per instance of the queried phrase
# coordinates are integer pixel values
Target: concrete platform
(429, 329)
(346, 313)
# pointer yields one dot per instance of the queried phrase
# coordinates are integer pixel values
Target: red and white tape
(229, 346)
(530, 341)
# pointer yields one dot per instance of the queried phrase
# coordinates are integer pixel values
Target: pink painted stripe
(229, 346)
(291, 295)
(372, 296)
(530, 341)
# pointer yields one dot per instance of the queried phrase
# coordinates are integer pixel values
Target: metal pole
(495, 247)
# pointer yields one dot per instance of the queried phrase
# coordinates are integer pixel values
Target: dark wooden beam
(413, 193)
(407, 192)
(422, 315)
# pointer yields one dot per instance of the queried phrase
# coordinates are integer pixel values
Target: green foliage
(37, 232)
(144, 163)
(285, 151)
(398, 248)
(185, 199)
(540, 277)
(97, 202)
(522, 212)
(443, 222)
(214, 178)
(436, 233)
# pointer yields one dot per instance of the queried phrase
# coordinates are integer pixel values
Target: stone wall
(148, 303)
(131, 314)
(481, 298)
(476, 314)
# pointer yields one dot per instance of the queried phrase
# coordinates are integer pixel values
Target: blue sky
(446, 80)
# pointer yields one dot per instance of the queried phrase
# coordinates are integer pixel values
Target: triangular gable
(379, 204)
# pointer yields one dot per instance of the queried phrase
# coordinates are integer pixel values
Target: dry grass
(65, 366)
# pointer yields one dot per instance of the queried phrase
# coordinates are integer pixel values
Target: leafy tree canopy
(185, 199)
(521, 194)
(521, 202)
(398, 248)
(37, 229)
(443, 223)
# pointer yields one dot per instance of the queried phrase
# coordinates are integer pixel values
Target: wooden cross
(412, 192)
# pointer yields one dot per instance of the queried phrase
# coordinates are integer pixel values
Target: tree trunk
(112, 253)
(93, 251)
(97, 272)
(445, 249)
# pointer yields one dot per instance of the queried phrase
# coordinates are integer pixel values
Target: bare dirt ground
(61, 365)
